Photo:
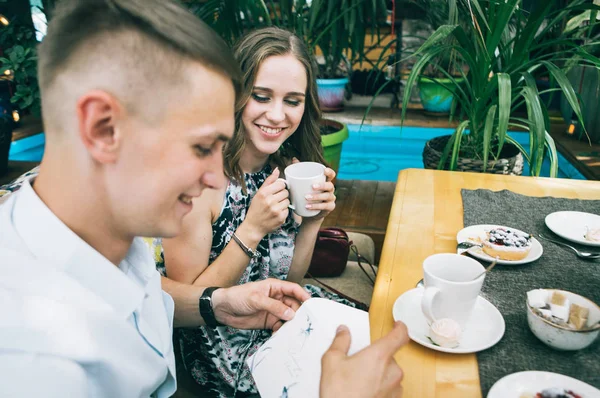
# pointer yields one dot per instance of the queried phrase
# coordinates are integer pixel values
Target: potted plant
(336, 31)
(18, 70)
(432, 83)
(434, 91)
(501, 54)
(585, 79)
(18, 63)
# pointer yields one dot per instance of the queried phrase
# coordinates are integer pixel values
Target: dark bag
(331, 253)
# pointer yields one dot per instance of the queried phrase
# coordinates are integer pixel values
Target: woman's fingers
(325, 206)
(329, 174)
(320, 197)
(324, 187)
(281, 195)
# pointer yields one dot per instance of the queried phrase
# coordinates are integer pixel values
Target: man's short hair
(134, 49)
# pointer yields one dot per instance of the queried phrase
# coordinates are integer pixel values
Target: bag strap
(359, 259)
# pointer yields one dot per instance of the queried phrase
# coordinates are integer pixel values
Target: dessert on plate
(507, 244)
(553, 393)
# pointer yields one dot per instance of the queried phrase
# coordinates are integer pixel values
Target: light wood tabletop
(426, 214)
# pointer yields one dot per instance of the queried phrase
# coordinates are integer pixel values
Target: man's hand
(370, 373)
(258, 305)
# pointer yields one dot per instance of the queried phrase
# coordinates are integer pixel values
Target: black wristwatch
(206, 307)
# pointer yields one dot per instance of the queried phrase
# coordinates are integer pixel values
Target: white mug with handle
(451, 287)
(299, 179)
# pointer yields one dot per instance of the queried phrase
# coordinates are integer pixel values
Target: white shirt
(72, 324)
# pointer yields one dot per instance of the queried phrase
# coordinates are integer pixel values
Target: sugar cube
(561, 311)
(558, 299)
(537, 298)
(578, 316)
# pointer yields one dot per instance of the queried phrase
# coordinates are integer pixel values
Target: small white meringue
(445, 332)
(592, 235)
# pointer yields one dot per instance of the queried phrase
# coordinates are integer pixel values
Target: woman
(276, 124)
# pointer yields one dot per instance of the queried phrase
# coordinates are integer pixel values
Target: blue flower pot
(331, 94)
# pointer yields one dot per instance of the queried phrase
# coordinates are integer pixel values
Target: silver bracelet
(249, 252)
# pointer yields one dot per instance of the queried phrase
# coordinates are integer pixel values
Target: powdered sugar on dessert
(507, 244)
(553, 393)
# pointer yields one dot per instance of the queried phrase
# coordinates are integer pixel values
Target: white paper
(288, 365)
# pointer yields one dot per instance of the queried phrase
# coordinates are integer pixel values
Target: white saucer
(571, 225)
(485, 328)
(517, 384)
(476, 232)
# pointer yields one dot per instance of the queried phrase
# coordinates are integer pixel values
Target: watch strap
(206, 307)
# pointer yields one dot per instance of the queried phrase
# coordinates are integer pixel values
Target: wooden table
(426, 214)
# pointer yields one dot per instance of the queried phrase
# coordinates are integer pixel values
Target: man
(138, 100)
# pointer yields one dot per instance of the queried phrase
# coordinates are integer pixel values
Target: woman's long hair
(305, 142)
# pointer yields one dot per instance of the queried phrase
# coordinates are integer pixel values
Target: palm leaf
(446, 152)
(520, 147)
(534, 21)
(456, 147)
(500, 22)
(552, 154)
(537, 132)
(504, 101)
(414, 74)
(487, 134)
(567, 89)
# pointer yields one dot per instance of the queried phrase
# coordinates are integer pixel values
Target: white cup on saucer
(451, 287)
(299, 179)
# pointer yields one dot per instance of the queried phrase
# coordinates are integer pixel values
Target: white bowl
(563, 337)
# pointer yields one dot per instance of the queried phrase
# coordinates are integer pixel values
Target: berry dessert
(507, 244)
(556, 393)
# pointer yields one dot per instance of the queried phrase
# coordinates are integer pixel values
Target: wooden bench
(364, 207)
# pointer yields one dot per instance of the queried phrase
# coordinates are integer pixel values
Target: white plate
(571, 225)
(484, 329)
(470, 234)
(517, 384)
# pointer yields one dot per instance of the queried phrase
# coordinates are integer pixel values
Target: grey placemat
(506, 286)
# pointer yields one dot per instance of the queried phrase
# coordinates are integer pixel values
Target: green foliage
(20, 57)
(334, 26)
(501, 51)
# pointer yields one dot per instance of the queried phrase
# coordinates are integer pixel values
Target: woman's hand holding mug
(269, 207)
(311, 189)
(323, 198)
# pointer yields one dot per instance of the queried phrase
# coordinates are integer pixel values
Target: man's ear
(98, 113)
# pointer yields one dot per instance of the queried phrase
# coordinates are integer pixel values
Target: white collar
(51, 242)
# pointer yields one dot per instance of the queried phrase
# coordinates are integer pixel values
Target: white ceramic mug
(451, 289)
(299, 179)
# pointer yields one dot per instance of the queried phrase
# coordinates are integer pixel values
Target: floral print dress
(216, 357)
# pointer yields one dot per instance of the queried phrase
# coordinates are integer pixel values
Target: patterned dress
(15, 185)
(215, 357)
